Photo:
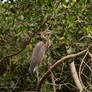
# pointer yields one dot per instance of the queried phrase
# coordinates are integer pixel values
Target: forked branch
(58, 63)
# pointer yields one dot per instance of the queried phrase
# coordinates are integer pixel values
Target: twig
(52, 78)
(65, 84)
(58, 63)
(53, 81)
(85, 76)
(81, 68)
(87, 66)
(90, 55)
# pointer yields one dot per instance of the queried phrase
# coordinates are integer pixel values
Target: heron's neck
(44, 37)
(48, 41)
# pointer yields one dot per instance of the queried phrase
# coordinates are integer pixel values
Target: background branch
(58, 63)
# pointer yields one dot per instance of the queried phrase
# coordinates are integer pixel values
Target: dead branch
(80, 68)
(58, 63)
(74, 72)
(53, 81)
(75, 76)
(52, 78)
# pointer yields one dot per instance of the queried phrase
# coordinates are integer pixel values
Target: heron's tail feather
(31, 71)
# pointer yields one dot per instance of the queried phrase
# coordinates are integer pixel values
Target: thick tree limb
(74, 71)
(58, 63)
(75, 76)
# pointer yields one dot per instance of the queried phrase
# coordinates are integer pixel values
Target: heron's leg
(37, 73)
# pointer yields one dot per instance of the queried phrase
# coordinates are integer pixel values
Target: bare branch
(52, 78)
(75, 76)
(74, 72)
(90, 55)
(81, 68)
(58, 63)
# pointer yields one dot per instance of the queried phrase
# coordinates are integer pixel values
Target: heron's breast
(38, 52)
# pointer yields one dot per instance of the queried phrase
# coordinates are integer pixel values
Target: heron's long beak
(52, 32)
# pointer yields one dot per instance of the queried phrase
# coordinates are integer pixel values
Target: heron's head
(49, 32)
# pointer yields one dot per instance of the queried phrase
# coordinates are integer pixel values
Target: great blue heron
(39, 51)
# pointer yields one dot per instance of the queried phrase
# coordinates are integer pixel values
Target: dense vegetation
(21, 23)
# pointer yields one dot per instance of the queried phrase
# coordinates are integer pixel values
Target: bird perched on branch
(39, 51)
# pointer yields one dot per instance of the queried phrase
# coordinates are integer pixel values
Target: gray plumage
(39, 51)
(37, 56)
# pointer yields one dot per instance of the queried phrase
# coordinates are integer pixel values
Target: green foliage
(22, 18)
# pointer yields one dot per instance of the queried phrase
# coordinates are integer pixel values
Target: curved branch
(58, 63)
